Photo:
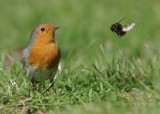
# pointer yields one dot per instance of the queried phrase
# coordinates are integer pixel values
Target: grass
(101, 73)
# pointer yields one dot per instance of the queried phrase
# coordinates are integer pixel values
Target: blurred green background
(85, 24)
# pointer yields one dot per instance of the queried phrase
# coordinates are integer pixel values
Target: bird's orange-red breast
(42, 55)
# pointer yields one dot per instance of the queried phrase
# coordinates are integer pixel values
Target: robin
(42, 55)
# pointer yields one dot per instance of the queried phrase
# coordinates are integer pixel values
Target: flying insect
(120, 29)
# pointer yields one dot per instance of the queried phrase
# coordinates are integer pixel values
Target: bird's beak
(56, 27)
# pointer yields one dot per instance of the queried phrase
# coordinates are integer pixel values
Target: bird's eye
(42, 29)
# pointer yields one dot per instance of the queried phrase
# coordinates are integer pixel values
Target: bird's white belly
(41, 74)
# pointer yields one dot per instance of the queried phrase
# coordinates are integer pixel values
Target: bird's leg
(51, 83)
(51, 86)
(33, 85)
